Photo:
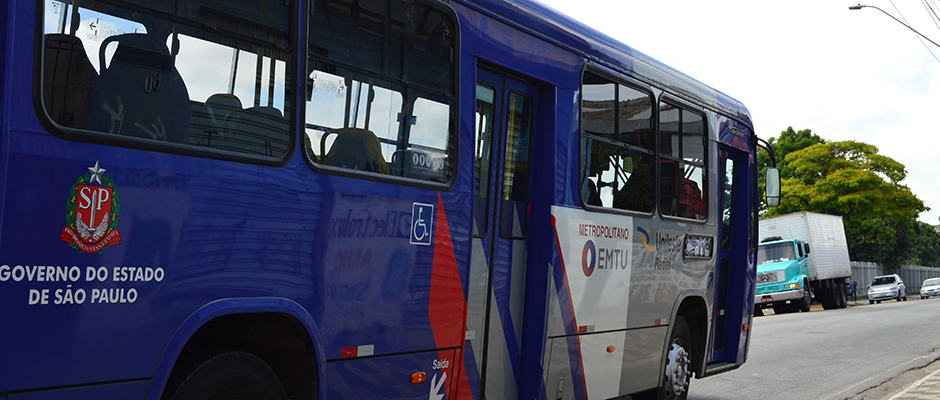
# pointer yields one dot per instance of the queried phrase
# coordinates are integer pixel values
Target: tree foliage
(925, 248)
(789, 141)
(851, 179)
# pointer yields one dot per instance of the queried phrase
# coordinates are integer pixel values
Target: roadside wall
(913, 275)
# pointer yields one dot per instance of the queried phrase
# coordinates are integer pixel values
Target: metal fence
(913, 275)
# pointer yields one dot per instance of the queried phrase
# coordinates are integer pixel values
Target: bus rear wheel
(231, 375)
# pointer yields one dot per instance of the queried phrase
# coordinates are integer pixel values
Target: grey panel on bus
(642, 352)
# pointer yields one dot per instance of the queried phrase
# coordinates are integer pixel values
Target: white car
(930, 287)
(886, 287)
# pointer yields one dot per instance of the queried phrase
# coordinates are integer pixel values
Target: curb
(927, 388)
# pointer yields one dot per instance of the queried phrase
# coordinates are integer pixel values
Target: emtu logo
(588, 258)
(645, 238)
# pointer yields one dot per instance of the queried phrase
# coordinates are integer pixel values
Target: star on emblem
(96, 173)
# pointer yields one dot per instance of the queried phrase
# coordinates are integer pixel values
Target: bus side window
(617, 146)
(220, 82)
(372, 69)
(682, 163)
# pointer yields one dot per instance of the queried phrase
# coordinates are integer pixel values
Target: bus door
(505, 122)
(732, 253)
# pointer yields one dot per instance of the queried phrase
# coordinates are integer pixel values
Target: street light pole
(860, 6)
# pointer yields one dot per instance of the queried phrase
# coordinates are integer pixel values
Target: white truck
(802, 256)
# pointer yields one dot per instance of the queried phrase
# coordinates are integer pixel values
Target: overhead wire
(931, 13)
(934, 6)
(934, 10)
(918, 36)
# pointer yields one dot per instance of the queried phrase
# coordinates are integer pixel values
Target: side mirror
(806, 248)
(772, 187)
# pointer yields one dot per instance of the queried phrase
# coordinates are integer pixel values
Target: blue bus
(351, 199)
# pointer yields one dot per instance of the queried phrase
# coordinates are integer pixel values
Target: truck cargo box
(829, 253)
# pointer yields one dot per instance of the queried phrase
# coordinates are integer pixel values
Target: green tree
(789, 141)
(851, 179)
(925, 249)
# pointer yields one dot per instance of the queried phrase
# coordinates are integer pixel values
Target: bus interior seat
(220, 105)
(140, 93)
(208, 119)
(67, 80)
(356, 148)
(258, 130)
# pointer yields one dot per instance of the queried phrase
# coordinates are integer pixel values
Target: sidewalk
(924, 389)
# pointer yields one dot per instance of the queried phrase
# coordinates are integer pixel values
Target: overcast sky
(845, 74)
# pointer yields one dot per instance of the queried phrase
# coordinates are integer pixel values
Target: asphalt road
(861, 352)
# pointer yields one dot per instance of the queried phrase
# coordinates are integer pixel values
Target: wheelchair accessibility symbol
(422, 222)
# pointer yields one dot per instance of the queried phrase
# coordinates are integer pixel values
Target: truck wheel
(827, 298)
(806, 302)
(840, 296)
(678, 372)
(231, 375)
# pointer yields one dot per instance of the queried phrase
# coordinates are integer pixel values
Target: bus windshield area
(771, 253)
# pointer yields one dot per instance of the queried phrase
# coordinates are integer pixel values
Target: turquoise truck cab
(782, 277)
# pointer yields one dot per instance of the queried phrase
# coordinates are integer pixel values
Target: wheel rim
(678, 373)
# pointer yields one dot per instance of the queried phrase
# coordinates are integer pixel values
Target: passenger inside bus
(637, 193)
(680, 196)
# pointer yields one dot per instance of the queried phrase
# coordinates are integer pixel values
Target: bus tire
(678, 371)
(231, 375)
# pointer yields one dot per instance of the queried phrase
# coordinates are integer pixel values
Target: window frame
(107, 139)
(490, 161)
(505, 161)
(684, 106)
(618, 81)
(453, 141)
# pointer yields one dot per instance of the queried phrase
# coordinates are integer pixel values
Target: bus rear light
(610, 349)
(418, 377)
